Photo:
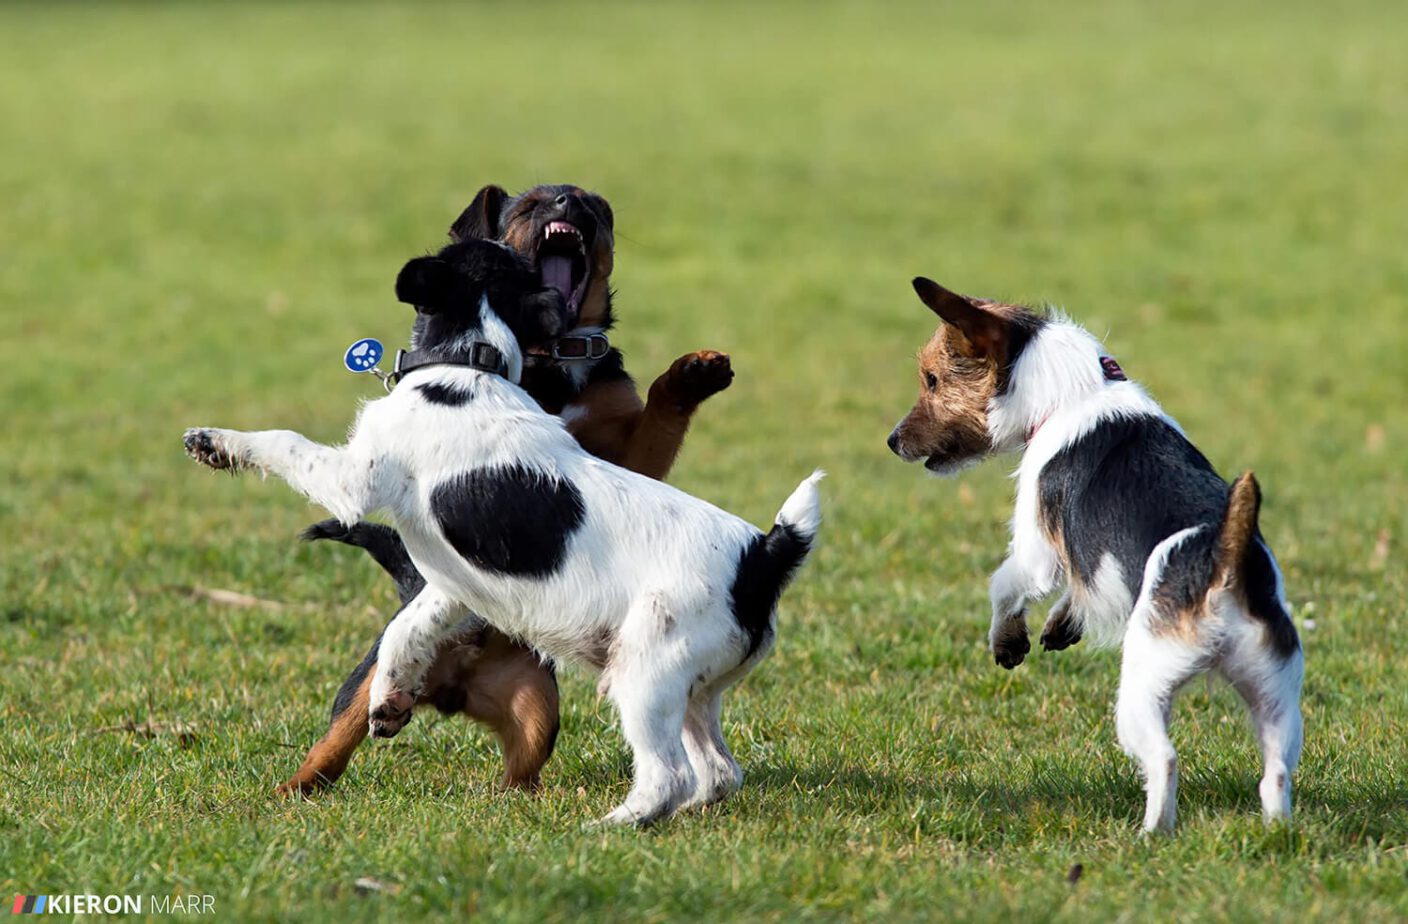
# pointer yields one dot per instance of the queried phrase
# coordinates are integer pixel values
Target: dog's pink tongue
(557, 272)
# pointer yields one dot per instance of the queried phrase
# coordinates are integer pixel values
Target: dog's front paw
(1010, 650)
(1059, 634)
(208, 447)
(696, 376)
(391, 714)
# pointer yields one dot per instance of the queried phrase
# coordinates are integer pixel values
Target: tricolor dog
(1153, 546)
(508, 517)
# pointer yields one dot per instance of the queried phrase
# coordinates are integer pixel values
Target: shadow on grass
(1353, 814)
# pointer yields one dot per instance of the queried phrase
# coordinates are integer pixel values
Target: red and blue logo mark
(29, 904)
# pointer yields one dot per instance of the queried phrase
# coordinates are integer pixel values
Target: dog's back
(1111, 497)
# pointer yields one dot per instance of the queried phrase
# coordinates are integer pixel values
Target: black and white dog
(1154, 547)
(506, 516)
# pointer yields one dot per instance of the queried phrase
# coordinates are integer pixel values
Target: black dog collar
(572, 347)
(482, 356)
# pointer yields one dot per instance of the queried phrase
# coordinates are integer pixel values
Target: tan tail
(1239, 527)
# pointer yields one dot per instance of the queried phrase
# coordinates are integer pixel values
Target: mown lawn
(204, 204)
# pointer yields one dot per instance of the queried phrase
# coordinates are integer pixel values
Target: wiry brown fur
(961, 368)
(496, 681)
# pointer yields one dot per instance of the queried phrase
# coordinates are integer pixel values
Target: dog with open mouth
(672, 599)
(568, 235)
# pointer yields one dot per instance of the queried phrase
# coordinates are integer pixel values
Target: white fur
(1057, 394)
(649, 570)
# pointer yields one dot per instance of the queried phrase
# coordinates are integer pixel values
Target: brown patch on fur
(604, 417)
(949, 422)
(1238, 525)
(963, 366)
(508, 688)
(328, 758)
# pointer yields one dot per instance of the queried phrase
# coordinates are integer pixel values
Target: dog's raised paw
(205, 447)
(696, 376)
(1011, 650)
(387, 718)
(1059, 635)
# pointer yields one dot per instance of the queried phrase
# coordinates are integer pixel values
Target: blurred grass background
(204, 203)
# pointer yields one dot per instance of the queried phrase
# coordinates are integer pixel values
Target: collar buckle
(580, 346)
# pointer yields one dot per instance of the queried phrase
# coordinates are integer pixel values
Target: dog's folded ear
(982, 328)
(481, 219)
(429, 283)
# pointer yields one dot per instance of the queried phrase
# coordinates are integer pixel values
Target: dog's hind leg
(717, 774)
(648, 678)
(510, 689)
(652, 718)
(1155, 666)
(1270, 684)
(328, 758)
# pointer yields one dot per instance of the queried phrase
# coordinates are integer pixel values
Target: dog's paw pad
(696, 376)
(392, 714)
(205, 447)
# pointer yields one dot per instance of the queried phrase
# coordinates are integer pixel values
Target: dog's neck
(491, 331)
(1062, 385)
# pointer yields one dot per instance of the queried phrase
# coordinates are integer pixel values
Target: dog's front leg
(670, 405)
(408, 648)
(329, 476)
(1021, 578)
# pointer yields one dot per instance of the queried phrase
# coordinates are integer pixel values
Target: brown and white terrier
(1156, 551)
(568, 234)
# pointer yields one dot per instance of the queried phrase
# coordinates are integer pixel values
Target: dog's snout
(894, 441)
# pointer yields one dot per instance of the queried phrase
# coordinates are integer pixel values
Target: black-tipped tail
(769, 562)
(382, 543)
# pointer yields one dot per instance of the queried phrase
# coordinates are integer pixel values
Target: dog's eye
(932, 381)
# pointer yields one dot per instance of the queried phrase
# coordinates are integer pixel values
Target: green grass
(204, 204)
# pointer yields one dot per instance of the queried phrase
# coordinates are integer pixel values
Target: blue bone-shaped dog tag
(363, 355)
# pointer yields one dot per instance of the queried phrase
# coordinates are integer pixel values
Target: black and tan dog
(568, 233)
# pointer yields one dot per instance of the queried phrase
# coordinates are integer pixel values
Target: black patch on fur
(509, 519)
(348, 691)
(1022, 329)
(383, 544)
(1123, 488)
(1191, 569)
(445, 393)
(1128, 485)
(448, 287)
(765, 567)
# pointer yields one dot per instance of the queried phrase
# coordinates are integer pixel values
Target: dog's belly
(570, 616)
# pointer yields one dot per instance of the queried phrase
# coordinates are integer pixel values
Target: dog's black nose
(894, 442)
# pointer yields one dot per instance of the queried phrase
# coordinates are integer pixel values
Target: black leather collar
(482, 356)
(571, 347)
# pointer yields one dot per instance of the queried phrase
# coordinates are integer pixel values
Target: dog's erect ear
(481, 219)
(429, 283)
(982, 328)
